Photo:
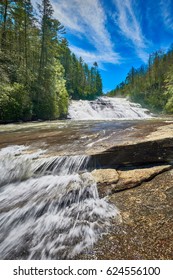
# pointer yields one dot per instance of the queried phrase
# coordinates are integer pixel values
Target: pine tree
(4, 12)
(36, 62)
(46, 85)
(149, 85)
(169, 91)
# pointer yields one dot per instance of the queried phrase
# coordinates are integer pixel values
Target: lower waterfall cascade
(49, 206)
(107, 108)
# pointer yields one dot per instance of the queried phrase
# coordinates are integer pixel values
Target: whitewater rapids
(49, 206)
(107, 108)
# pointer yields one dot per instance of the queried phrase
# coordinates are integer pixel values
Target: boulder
(106, 180)
(133, 178)
(105, 176)
(110, 181)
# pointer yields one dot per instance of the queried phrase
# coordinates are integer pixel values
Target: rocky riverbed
(145, 230)
(132, 164)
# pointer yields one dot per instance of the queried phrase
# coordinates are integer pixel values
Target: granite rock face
(106, 180)
(110, 181)
(105, 176)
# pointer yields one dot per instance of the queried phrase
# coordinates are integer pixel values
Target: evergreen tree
(150, 85)
(4, 12)
(82, 82)
(38, 72)
(45, 86)
(169, 91)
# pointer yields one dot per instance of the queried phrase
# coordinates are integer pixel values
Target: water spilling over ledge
(105, 108)
(48, 210)
(49, 202)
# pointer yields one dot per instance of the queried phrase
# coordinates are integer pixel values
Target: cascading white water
(107, 108)
(48, 209)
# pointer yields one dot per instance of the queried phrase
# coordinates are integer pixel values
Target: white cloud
(143, 55)
(67, 13)
(166, 12)
(129, 26)
(87, 19)
(101, 57)
(34, 2)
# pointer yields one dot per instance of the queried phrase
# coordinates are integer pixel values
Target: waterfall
(107, 108)
(49, 206)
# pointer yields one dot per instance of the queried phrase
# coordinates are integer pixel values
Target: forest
(151, 85)
(38, 73)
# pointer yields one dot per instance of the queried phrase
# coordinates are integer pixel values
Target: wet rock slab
(69, 138)
(145, 230)
(148, 152)
(151, 147)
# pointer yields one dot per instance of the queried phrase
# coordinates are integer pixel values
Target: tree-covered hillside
(151, 84)
(38, 72)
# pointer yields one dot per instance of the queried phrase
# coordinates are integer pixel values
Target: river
(49, 202)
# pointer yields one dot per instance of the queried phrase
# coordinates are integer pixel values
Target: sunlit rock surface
(110, 181)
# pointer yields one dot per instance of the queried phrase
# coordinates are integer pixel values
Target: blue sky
(118, 34)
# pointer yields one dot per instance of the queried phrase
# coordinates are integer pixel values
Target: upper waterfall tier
(107, 108)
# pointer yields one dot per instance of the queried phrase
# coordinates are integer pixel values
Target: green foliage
(15, 103)
(81, 82)
(150, 85)
(8, 69)
(54, 105)
(38, 72)
(61, 94)
(169, 91)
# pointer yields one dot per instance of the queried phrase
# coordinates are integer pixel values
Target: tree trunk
(3, 38)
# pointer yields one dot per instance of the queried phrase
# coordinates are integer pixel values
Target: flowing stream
(49, 204)
(48, 209)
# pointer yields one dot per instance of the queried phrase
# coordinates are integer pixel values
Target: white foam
(107, 108)
(52, 212)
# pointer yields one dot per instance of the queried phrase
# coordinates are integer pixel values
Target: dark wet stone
(149, 152)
